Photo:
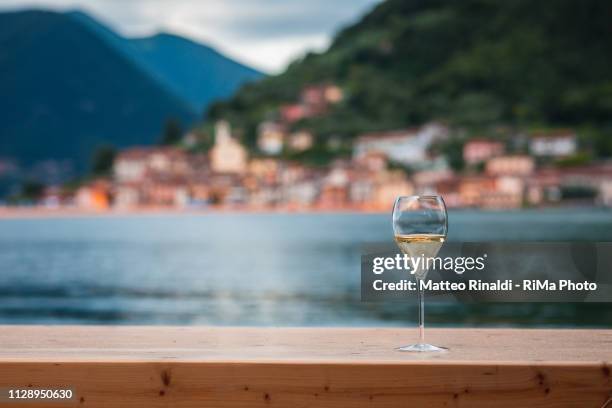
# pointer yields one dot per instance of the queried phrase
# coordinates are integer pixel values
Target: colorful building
(479, 150)
(227, 155)
(561, 143)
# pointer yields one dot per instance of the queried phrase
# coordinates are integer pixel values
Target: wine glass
(420, 227)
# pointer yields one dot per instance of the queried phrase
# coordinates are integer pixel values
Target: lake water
(250, 269)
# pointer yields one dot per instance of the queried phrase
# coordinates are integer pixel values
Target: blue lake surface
(251, 269)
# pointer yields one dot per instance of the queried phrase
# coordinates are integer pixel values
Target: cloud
(266, 34)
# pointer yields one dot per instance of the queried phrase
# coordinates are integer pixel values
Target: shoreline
(8, 213)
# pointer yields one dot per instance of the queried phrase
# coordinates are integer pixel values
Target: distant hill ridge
(476, 64)
(195, 72)
(69, 84)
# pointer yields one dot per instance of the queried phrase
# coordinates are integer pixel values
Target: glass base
(422, 347)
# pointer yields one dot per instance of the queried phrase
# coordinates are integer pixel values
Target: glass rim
(429, 196)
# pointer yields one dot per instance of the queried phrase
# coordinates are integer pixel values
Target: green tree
(32, 190)
(172, 133)
(102, 160)
(452, 149)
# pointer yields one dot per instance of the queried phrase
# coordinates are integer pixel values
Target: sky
(265, 34)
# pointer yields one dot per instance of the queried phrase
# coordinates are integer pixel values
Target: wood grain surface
(306, 367)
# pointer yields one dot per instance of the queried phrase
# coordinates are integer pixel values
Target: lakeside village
(383, 165)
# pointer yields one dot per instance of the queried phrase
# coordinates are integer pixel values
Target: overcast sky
(266, 34)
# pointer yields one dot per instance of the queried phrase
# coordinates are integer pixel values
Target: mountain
(66, 87)
(195, 72)
(472, 63)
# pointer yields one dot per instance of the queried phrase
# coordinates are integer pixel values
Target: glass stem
(421, 293)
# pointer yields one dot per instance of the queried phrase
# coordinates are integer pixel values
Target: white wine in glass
(415, 245)
(420, 227)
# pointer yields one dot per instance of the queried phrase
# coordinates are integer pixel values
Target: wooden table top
(301, 345)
